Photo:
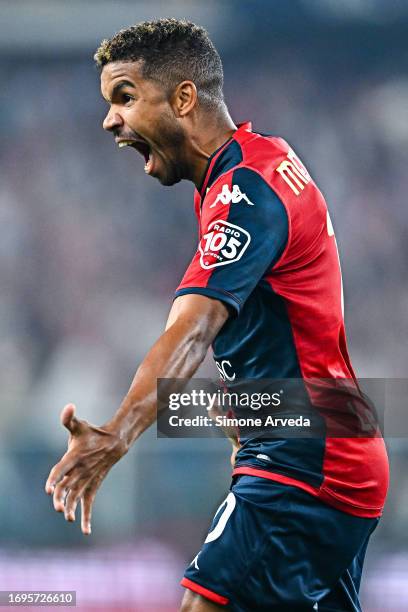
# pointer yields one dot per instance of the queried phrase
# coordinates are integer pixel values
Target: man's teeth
(124, 143)
(149, 164)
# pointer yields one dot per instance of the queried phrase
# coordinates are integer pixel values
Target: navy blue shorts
(274, 547)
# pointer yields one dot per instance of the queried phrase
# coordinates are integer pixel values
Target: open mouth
(143, 148)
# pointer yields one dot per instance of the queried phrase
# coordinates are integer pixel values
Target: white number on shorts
(230, 502)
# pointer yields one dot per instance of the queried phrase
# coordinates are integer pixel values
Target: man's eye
(127, 98)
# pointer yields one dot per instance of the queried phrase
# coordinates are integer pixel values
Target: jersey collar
(217, 161)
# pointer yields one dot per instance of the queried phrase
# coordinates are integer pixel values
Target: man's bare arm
(193, 323)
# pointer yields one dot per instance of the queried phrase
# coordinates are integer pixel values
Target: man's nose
(112, 121)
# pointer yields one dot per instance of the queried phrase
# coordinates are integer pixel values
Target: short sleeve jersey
(267, 250)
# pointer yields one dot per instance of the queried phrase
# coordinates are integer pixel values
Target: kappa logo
(223, 243)
(231, 197)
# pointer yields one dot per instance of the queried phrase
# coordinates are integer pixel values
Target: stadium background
(91, 251)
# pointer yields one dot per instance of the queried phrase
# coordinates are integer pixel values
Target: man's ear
(184, 98)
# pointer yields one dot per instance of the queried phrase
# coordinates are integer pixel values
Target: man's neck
(213, 132)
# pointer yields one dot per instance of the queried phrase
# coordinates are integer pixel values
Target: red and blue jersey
(267, 249)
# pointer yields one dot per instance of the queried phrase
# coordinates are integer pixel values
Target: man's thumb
(68, 418)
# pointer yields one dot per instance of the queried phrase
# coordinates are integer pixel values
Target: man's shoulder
(263, 151)
(260, 156)
(277, 163)
(259, 159)
(263, 165)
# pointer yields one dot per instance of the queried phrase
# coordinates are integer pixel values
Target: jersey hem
(321, 493)
(204, 592)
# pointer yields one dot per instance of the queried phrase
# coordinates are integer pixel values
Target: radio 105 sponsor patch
(223, 243)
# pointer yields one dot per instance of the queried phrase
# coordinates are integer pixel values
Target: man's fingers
(68, 418)
(73, 497)
(87, 501)
(59, 471)
(59, 495)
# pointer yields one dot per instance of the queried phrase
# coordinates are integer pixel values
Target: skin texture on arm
(193, 323)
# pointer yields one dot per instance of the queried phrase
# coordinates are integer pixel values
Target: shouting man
(265, 289)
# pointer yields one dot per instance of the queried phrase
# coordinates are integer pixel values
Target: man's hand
(92, 451)
(194, 322)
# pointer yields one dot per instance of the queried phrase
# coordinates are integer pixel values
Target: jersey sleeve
(243, 233)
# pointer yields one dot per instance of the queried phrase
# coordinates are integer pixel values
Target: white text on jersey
(294, 173)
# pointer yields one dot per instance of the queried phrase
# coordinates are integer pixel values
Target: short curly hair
(172, 51)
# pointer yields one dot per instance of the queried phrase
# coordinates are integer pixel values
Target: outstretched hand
(92, 451)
